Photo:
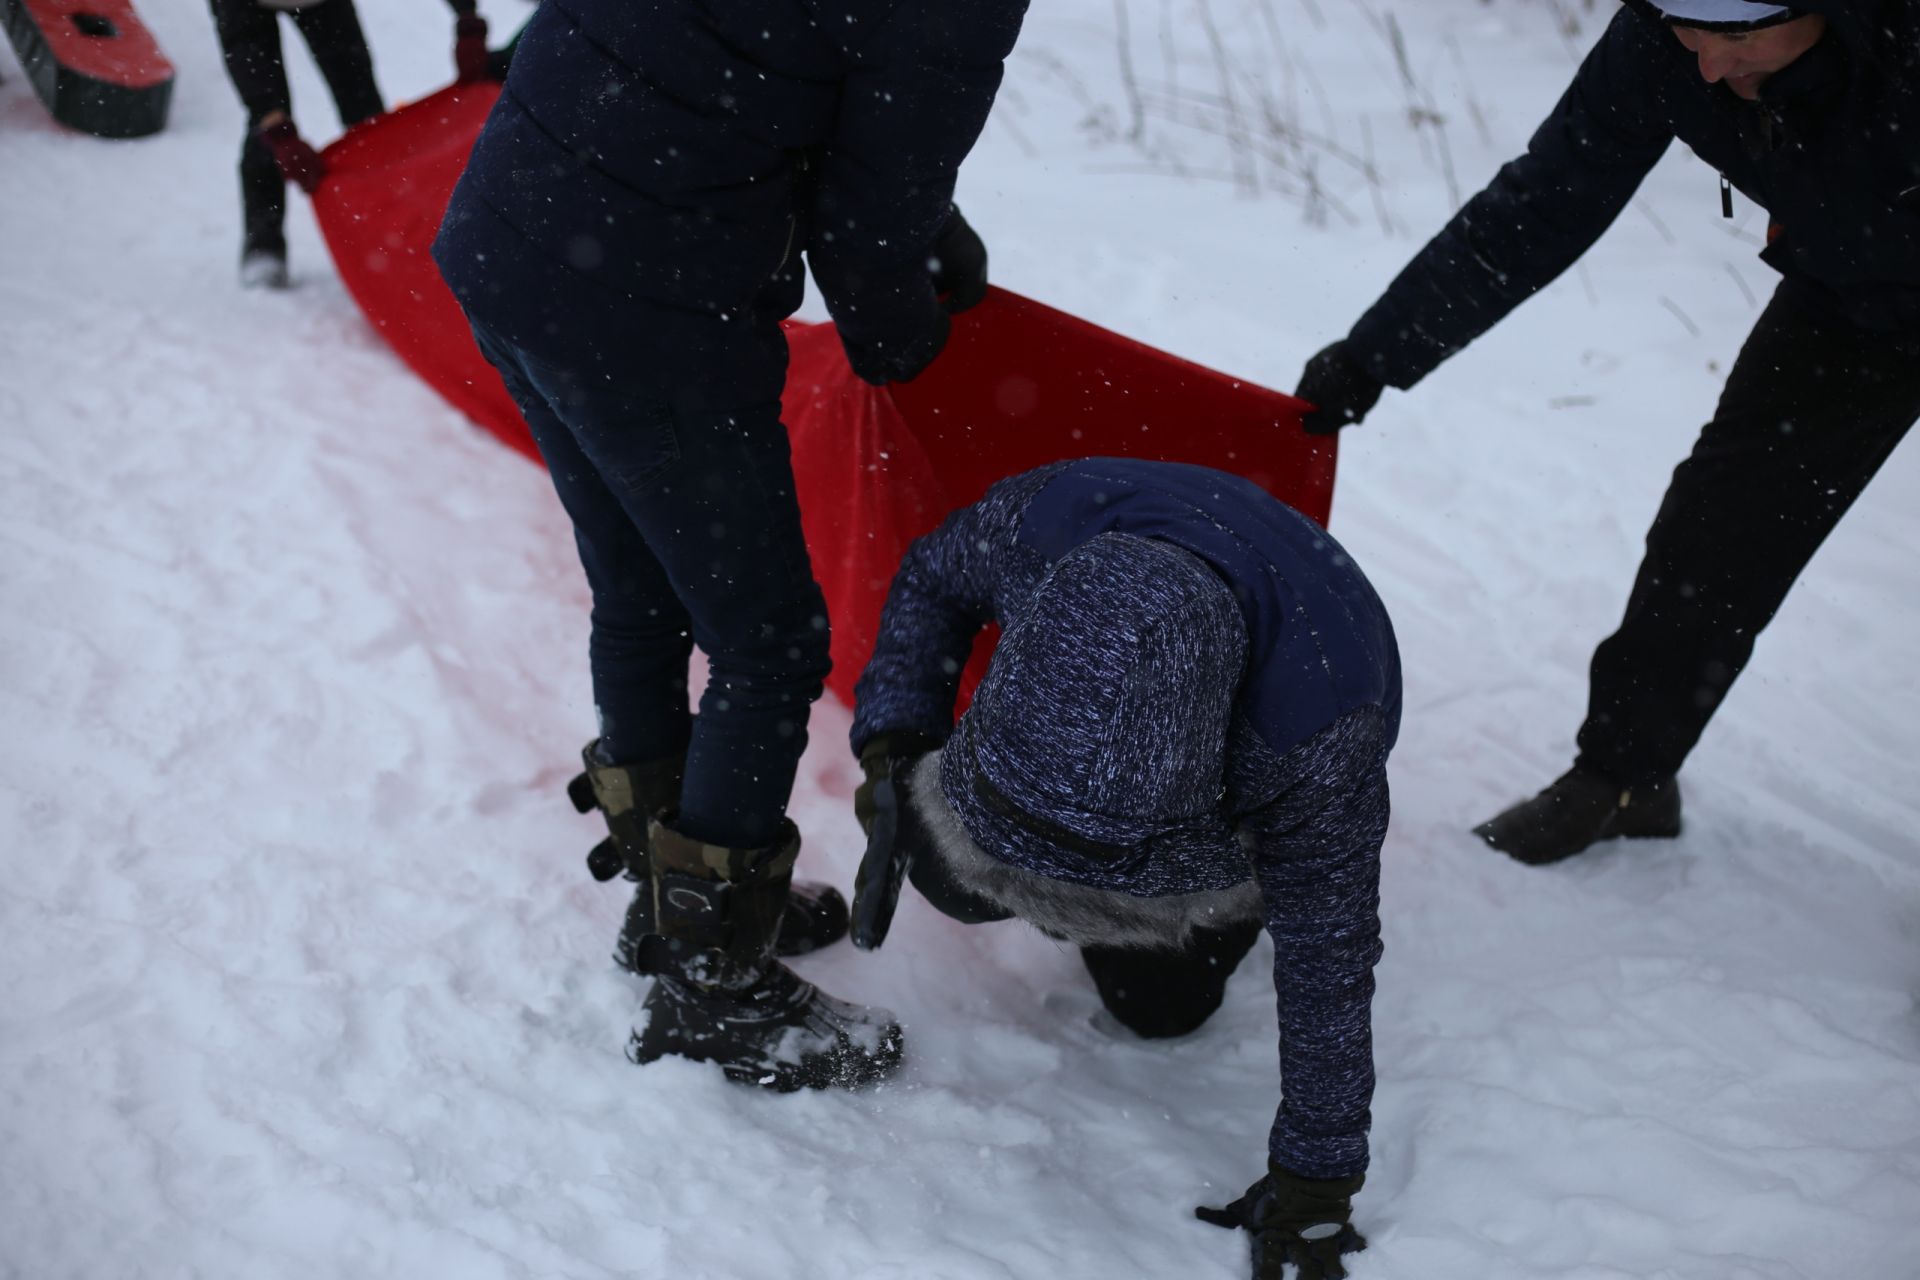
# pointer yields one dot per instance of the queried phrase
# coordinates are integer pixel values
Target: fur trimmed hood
(1075, 913)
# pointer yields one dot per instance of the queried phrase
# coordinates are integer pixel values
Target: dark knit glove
(1295, 1220)
(471, 61)
(879, 804)
(899, 359)
(1339, 388)
(299, 163)
(883, 754)
(959, 263)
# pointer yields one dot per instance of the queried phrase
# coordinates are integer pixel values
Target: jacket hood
(1095, 747)
(1081, 914)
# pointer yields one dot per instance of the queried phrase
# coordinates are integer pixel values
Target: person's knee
(791, 641)
(1157, 995)
(1158, 1020)
(773, 680)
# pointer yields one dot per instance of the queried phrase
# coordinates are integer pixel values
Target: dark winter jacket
(1831, 151)
(650, 167)
(1100, 751)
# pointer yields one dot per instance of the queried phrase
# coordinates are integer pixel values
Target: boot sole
(1650, 833)
(793, 1079)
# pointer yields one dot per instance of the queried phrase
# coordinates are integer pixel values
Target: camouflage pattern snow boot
(1580, 808)
(629, 797)
(720, 996)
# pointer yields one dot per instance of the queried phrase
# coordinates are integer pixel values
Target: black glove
(883, 754)
(959, 266)
(1339, 388)
(878, 803)
(1295, 1220)
(883, 362)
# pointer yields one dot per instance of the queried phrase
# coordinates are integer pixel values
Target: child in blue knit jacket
(1181, 738)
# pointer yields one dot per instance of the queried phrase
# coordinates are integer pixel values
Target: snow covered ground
(301, 973)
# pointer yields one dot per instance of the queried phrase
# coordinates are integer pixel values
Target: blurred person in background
(272, 153)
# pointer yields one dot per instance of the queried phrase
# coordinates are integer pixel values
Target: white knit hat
(1723, 15)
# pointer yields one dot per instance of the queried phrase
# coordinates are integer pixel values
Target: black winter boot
(782, 1033)
(1580, 808)
(815, 917)
(629, 797)
(719, 996)
(264, 269)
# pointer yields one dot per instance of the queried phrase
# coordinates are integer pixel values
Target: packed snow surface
(303, 975)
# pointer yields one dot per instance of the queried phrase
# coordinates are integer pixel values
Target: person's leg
(332, 31)
(1159, 994)
(711, 494)
(726, 514)
(1810, 412)
(250, 46)
(640, 639)
(263, 200)
(708, 918)
(638, 647)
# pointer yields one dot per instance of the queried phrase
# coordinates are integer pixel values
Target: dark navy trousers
(1811, 410)
(689, 531)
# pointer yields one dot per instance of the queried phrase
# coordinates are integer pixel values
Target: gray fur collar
(1073, 912)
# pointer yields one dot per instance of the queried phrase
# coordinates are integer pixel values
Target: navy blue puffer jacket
(653, 164)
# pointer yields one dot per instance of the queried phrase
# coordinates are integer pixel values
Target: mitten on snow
(900, 360)
(959, 263)
(471, 61)
(1339, 388)
(298, 163)
(1303, 1221)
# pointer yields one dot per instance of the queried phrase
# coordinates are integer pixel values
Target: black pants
(250, 43)
(688, 528)
(1810, 411)
(1159, 994)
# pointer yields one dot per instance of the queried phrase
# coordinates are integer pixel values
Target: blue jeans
(689, 531)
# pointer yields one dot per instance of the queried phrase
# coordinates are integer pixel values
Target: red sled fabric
(379, 206)
(94, 64)
(1019, 385)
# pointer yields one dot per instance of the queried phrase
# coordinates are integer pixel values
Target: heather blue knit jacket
(1305, 774)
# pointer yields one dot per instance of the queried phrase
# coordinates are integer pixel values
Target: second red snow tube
(1020, 384)
(94, 63)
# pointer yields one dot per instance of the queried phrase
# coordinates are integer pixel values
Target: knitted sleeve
(1316, 856)
(948, 587)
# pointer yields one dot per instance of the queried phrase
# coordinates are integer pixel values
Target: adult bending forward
(1813, 112)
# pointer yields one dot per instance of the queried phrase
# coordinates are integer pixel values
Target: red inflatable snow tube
(93, 63)
(1019, 385)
